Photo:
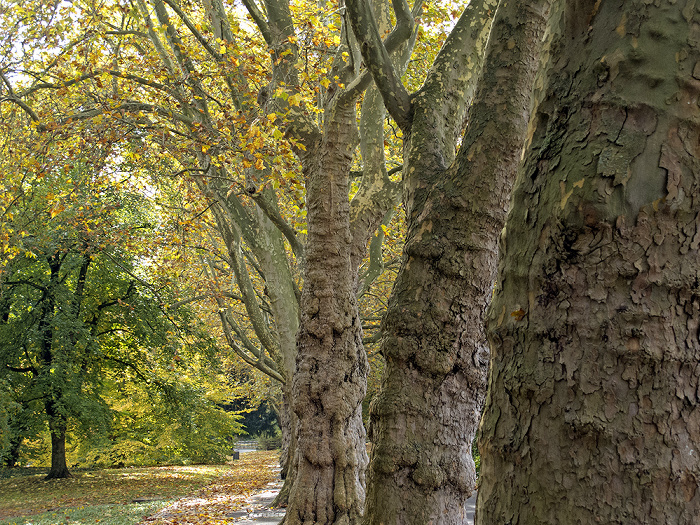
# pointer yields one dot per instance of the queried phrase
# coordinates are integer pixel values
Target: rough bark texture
(425, 417)
(593, 414)
(330, 379)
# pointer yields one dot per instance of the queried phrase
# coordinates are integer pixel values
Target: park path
(245, 492)
(216, 505)
(263, 515)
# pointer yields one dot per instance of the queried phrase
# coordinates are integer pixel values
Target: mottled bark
(592, 415)
(330, 379)
(425, 417)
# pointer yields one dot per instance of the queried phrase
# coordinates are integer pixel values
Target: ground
(201, 494)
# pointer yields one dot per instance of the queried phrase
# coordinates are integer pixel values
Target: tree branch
(21, 370)
(193, 29)
(259, 18)
(465, 45)
(376, 56)
(273, 213)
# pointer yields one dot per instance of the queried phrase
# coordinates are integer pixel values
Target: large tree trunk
(592, 415)
(425, 417)
(330, 378)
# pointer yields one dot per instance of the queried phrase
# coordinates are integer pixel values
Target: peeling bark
(593, 414)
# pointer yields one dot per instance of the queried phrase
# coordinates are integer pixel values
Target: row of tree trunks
(592, 414)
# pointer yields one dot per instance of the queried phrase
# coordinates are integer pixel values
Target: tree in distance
(75, 306)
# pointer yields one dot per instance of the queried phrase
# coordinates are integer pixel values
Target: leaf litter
(215, 503)
(215, 491)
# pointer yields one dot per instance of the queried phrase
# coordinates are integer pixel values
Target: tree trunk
(288, 425)
(425, 417)
(592, 415)
(12, 455)
(57, 428)
(57, 422)
(330, 380)
(279, 286)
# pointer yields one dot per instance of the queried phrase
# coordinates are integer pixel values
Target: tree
(592, 414)
(424, 419)
(72, 306)
(190, 82)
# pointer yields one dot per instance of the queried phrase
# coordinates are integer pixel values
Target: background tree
(592, 414)
(74, 301)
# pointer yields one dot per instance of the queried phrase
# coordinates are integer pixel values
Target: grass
(107, 514)
(120, 496)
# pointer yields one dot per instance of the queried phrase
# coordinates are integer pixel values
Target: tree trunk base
(283, 497)
(61, 473)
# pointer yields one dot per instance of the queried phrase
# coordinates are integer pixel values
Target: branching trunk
(425, 417)
(592, 414)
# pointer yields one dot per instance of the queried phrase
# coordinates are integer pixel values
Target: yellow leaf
(58, 208)
(518, 314)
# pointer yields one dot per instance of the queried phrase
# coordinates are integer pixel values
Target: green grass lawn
(113, 497)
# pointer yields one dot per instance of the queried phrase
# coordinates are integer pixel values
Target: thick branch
(376, 57)
(453, 89)
(259, 18)
(272, 212)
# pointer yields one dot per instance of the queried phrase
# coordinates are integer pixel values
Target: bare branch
(376, 56)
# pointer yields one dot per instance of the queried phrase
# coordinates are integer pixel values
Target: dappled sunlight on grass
(134, 493)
